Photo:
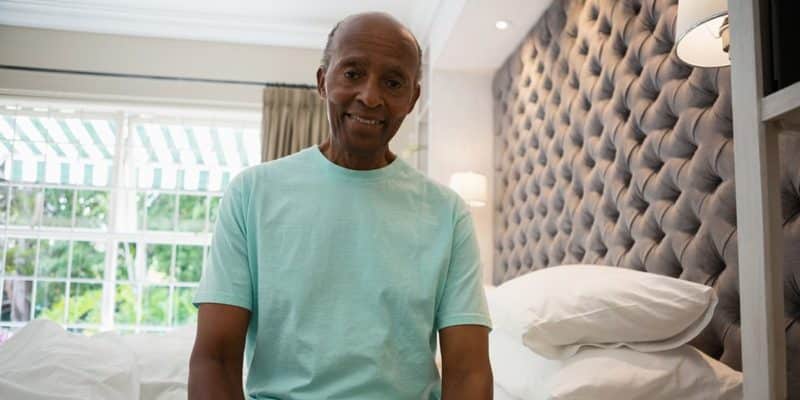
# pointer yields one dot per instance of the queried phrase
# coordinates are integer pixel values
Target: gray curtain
(293, 119)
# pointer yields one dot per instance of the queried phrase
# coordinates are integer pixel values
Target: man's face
(370, 84)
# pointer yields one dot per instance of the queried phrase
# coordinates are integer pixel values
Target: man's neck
(355, 161)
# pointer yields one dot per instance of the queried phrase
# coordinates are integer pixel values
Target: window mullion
(33, 280)
(110, 275)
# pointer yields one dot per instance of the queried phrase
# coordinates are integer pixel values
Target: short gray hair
(325, 62)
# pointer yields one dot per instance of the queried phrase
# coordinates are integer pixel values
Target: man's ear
(321, 82)
(414, 98)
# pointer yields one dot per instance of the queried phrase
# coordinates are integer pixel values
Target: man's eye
(394, 84)
(351, 74)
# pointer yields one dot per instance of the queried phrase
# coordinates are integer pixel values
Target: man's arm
(215, 368)
(466, 372)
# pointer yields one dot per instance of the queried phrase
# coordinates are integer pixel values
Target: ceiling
(293, 23)
(460, 28)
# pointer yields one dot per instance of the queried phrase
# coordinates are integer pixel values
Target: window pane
(192, 213)
(188, 263)
(126, 261)
(16, 301)
(21, 257)
(50, 300)
(85, 302)
(2, 256)
(213, 209)
(53, 258)
(57, 207)
(92, 209)
(88, 260)
(83, 331)
(155, 305)
(159, 260)
(160, 212)
(141, 210)
(23, 206)
(5, 193)
(125, 305)
(184, 311)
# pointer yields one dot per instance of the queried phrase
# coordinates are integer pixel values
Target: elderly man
(332, 270)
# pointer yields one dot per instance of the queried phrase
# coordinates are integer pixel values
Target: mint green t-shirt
(348, 275)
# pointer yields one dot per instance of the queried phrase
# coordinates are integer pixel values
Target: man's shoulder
(434, 192)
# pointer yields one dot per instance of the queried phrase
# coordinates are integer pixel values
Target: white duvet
(42, 361)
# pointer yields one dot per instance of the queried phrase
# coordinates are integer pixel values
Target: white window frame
(124, 120)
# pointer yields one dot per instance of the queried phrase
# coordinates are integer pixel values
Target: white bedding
(501, 394)
(600, 373)
(44, 362)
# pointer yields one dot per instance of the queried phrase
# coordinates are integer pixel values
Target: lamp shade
(471, 187)
(697, 32)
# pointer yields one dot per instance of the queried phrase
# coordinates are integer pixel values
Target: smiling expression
(370, 84)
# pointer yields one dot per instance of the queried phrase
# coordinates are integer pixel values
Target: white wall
(461, 139)
(44, 48)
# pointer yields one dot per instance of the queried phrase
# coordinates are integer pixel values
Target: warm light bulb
(502, 25)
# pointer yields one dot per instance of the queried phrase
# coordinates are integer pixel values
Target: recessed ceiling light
(502, 24)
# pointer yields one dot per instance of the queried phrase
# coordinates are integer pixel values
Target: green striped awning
(74, 151)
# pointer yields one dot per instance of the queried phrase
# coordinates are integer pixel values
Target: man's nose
(370, 94)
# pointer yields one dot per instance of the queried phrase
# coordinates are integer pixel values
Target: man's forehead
(379, 30)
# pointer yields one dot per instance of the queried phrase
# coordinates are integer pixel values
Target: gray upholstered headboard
(610, 150)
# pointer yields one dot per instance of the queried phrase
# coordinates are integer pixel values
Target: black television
(781, 50)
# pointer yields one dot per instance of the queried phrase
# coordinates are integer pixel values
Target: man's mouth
(364, 120)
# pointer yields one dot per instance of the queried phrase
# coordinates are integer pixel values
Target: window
(106, 217)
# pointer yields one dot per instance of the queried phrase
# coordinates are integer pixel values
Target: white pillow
(558, 310)
(162, 361)
(684, 373)
(44, 362)
(518, 371)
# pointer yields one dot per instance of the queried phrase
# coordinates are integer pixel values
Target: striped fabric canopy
(68, 150)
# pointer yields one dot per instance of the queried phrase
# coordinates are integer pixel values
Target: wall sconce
(701, 33)
(471, 187)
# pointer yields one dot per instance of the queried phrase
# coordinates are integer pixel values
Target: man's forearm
(476, 385)
(211, 380)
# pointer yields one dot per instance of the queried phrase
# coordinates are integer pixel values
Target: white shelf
(783, 104)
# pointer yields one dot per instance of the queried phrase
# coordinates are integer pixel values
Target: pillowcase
(162, 361)
(612, 374)
(558, 310)
(44, 362)
(518, 371)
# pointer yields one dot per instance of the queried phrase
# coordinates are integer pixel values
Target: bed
(609, 150)
(42, 361)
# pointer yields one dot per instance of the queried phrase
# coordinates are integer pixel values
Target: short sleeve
(226, 278)
(463, 301)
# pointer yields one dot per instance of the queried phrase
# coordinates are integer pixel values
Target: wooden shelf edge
(785, 101)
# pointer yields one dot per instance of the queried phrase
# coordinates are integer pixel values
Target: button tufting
(605, 167)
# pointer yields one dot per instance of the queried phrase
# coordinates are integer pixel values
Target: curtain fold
(292, 119)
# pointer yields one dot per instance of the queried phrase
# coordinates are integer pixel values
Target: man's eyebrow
(348, 61)
(399, 71)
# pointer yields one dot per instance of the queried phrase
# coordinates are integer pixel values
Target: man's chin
(365, 144)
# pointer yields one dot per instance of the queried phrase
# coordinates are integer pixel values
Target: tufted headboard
(610, 150)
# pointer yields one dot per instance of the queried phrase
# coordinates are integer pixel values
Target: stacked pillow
(588, 331)
(44, 362)
(162, 360)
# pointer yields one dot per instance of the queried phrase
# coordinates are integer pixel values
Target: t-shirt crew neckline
(337, 170)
